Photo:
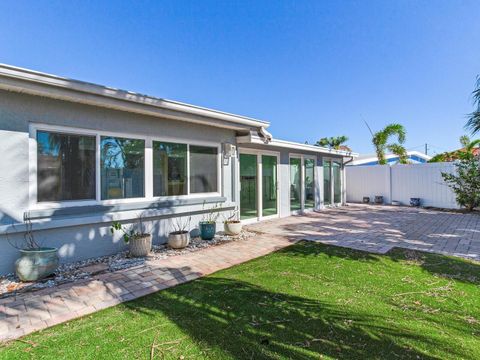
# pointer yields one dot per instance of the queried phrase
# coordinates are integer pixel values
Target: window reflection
(122, 167)
(65, 167)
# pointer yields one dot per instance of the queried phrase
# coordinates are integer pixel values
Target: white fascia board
(47, 85)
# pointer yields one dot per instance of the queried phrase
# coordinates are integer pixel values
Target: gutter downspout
(345, 179)
(265, 134)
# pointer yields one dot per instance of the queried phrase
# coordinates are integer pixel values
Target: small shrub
(465, 183)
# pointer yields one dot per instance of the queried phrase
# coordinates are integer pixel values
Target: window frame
(148, 170)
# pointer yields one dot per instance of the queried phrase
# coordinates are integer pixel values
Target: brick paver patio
(370, 228)
(378, 229)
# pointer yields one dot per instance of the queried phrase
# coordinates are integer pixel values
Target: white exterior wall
(402, 182)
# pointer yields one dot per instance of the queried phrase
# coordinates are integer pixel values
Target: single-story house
(76, 156)
(414, 157)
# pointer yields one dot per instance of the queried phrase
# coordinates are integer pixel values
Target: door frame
(258, 153)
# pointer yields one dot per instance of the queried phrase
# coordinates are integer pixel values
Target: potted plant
(139, 241)
(180, 237)
(366, 199)
(35, 262)
(232, 224)
(415, 202)
(208, 226)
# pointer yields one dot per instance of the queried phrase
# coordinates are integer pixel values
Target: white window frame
(148, 167)
(258, 153)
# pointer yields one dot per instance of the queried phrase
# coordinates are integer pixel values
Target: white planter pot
(178, 240)
(233, 228)
(140, 246)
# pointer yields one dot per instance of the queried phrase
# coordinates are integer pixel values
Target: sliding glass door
(332, 182)
(258, 185)
(327, 182)
(269, 185)
(248, 186)
(337, 182)
(295, 184)
(309, 183)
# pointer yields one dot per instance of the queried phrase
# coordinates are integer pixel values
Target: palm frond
(473, 122)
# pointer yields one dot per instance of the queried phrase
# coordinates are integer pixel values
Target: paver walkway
(370, 228)
(29, 312)
(378, 229)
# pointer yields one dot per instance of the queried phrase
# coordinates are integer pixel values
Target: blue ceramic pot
(207, 230)
(36, 264)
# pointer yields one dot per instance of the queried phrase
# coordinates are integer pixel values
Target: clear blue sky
(313, 69)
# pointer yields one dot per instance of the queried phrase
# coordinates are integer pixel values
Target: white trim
(148, 167)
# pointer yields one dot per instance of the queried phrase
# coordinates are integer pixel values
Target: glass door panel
(248, 186)
(269, 185)
(295, 184)
(327, 183)
(337, 183)
(309, 183)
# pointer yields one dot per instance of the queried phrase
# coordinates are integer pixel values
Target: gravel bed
(87, 269)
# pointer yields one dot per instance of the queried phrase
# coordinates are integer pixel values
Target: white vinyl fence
(400, 183)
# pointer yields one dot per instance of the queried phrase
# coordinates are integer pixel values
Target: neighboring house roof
(37, 83)
(31, 82)
(454, 155)
(370, 159)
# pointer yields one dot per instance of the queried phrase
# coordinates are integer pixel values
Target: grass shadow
(249, 322)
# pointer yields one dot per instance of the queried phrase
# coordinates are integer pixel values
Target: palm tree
(333, 142)
(380, 141)
(464, 141)
(473, 123)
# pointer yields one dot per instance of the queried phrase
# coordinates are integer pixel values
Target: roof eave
(40, 84)
(251, 139)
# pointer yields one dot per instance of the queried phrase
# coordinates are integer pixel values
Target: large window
(122, 168)
(203, 169)
(169, 169)
(65, 167)
(97, 167)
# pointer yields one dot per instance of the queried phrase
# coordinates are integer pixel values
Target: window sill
(97, 214)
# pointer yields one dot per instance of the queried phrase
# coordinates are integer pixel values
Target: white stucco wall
(84, 235)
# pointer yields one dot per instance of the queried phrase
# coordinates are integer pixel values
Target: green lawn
(307, 301)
